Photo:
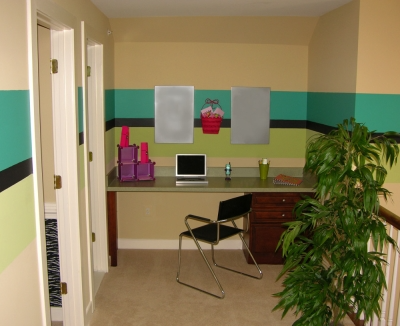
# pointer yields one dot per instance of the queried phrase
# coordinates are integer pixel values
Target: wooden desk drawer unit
(269, 211)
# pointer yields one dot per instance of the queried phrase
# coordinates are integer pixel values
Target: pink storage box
(128, 154)
(145, 171)
(127, 172)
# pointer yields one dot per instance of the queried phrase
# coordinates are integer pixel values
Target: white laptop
(191, 169)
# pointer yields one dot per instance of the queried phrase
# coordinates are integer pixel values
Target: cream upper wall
(378, 63)
(46, 114)
(14, 61)
(210, 65)
(97, 25)
(19, 296)
(333, 51)
(212, 52)
(253, 30)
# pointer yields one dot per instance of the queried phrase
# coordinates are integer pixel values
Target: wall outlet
(147, 211)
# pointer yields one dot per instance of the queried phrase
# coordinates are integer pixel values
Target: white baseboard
(173, 244)
(56, 313)
(50, 210)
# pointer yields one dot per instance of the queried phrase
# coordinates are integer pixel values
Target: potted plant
(330, 270)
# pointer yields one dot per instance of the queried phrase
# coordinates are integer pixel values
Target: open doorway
(64, 108)
(49, 193)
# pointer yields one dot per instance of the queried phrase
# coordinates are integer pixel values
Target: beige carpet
(142, 290)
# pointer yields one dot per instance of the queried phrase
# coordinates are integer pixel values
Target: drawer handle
(284, 200)
(283, 215)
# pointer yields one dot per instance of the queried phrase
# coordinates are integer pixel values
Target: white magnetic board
(174, 114)
(250, 115)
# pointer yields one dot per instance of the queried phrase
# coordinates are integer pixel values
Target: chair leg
(233, 270)
(209, 267)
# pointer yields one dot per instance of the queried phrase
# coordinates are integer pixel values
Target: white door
(95, 167)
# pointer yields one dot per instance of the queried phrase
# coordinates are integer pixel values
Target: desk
(216, 184)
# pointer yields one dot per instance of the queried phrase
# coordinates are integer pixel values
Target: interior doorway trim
(94, 113)
(63, 26)
(95, 189)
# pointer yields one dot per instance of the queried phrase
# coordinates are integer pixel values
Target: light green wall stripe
(17, 220)
(284, 143)
(393, 175)
(15, 130)
(81, 159)
(380, 112)
(80, 108)
(111, 142)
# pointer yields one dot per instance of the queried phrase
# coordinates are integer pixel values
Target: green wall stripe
(380, 112)
(288, 105)
(139, 103)
(330, 108)
(17, 220)
(134, 103)
(15, 130)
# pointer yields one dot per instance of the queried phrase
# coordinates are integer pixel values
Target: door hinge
(63, 288)
(57, 182)
(93, 237)
(54, 66)
(88, 71)
(90, 156)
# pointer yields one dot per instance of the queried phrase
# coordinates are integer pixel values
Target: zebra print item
(53, 262)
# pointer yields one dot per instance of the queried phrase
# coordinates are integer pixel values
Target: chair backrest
(234, 207)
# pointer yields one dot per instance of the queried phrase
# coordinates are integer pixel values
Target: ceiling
(165, 8)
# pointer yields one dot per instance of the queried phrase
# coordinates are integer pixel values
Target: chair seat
(208, 232)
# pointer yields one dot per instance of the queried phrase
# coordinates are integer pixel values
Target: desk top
(215, 185)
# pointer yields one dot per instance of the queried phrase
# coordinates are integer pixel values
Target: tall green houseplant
(329, 269)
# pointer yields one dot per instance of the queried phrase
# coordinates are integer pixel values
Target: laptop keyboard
(190, 179)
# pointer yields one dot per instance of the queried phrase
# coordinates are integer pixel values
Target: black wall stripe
(289, 124)
(110, 124)
(226, 123)
(81, 138)
(318, 127)
(53, 262)
(133, 122)
(15, 174)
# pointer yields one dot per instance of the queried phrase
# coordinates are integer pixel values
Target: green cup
(263, 170)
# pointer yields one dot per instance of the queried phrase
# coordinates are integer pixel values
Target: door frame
(94, 117)
(95, 190)
(63, 26)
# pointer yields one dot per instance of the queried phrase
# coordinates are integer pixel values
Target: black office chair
(214, 231)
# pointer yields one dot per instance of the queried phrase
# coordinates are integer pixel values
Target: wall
(212, 54)
(354, 71)
(332, 72)
(314, 67)
(19, 276)
(378, 77)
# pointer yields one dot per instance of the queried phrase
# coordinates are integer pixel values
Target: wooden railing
(390, 304)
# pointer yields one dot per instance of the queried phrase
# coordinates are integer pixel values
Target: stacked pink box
(130, 168)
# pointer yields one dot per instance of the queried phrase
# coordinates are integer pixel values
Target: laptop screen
(191, 165)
